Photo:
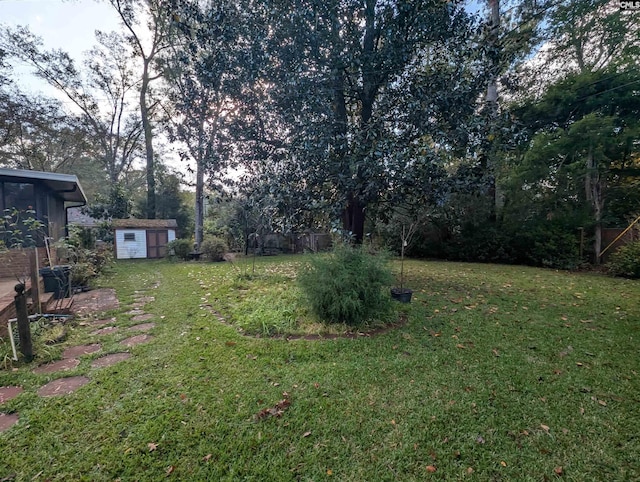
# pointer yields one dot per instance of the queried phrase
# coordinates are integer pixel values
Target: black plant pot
(402, 295)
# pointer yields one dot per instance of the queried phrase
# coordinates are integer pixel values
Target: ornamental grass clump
(349, 285)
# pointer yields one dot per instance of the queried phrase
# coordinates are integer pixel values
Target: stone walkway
(84, 304)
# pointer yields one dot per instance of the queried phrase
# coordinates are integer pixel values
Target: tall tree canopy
(356, 97)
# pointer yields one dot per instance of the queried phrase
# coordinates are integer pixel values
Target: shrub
(214, 248)
(347, 286)
(626, 261)
(180, 248)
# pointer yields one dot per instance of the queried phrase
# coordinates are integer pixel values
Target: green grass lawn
(500, 373)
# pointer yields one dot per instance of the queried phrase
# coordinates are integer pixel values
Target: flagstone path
(97, 301)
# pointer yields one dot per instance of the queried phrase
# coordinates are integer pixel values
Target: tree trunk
(199, 214)
(148, 143)
(594, 192)
(353, 219)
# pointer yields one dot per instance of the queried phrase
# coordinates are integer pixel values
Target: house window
(129, 236)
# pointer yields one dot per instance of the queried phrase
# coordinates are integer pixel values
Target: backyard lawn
(498, 373)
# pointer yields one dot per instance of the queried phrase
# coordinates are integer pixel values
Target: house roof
(77, 217)
(144, 223)
(65, 186)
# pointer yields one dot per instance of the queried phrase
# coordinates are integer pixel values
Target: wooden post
(35, 280)
(24, 330)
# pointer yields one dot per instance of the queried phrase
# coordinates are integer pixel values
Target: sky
(64, 24)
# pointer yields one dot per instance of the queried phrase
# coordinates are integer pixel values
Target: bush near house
(626, 261)
(214, 248)
(179, 248)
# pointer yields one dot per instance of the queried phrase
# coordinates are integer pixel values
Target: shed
(143, 238)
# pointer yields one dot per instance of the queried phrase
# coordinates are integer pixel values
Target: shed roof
(65, 186)
(144, 223)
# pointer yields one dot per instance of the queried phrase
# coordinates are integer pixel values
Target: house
(42, 196)
(45, 196)
(143, 238)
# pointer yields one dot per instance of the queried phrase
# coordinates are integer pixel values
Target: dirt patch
(7, 393)
(136, 340)
(8, 420)
(108, 360)
(62, 386)
(144, 317)
(95, 301)
(57, 366)
(105, 331)
(143, 327)
(352, 336)
(79, 350)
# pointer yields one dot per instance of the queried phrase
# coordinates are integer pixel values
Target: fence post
(35, 280)
(24, 330)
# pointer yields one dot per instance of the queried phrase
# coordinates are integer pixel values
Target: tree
(37, 134)
(354, 92)
(148, 41)
(202, 70)
(586, 130)
(100, 92)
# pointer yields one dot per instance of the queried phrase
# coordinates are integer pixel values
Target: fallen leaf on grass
(329, 472)
(558, 470)
(495, 352)
(276, 411)
(503, 463)
(230, 343)
(431, 468)
(152, 446)
(170, 470)
(470, 470)
(460, 345)
(207, 457)
(544, 427)
(306, 434)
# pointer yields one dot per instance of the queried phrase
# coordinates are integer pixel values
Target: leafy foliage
(626, 261)
(348, 286)
(179, 248)
(214, 248)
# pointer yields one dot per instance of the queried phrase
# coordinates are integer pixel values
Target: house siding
(131, 249)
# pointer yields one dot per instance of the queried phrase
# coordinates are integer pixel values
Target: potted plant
(402, 294)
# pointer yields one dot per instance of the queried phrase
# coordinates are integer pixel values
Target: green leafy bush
(626, 261)
(180, 248)
(348, 286)
(214, 248)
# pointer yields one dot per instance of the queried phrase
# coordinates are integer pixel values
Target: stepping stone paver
(62, 386)
(143, 327)
(60, 365)
(108, 360)
(103, 322)
(136, 311)
(8, 420)
(136, 340)
(7, 393)
(105, 331)
(144, 317)
(145, 299)
(75, 351)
